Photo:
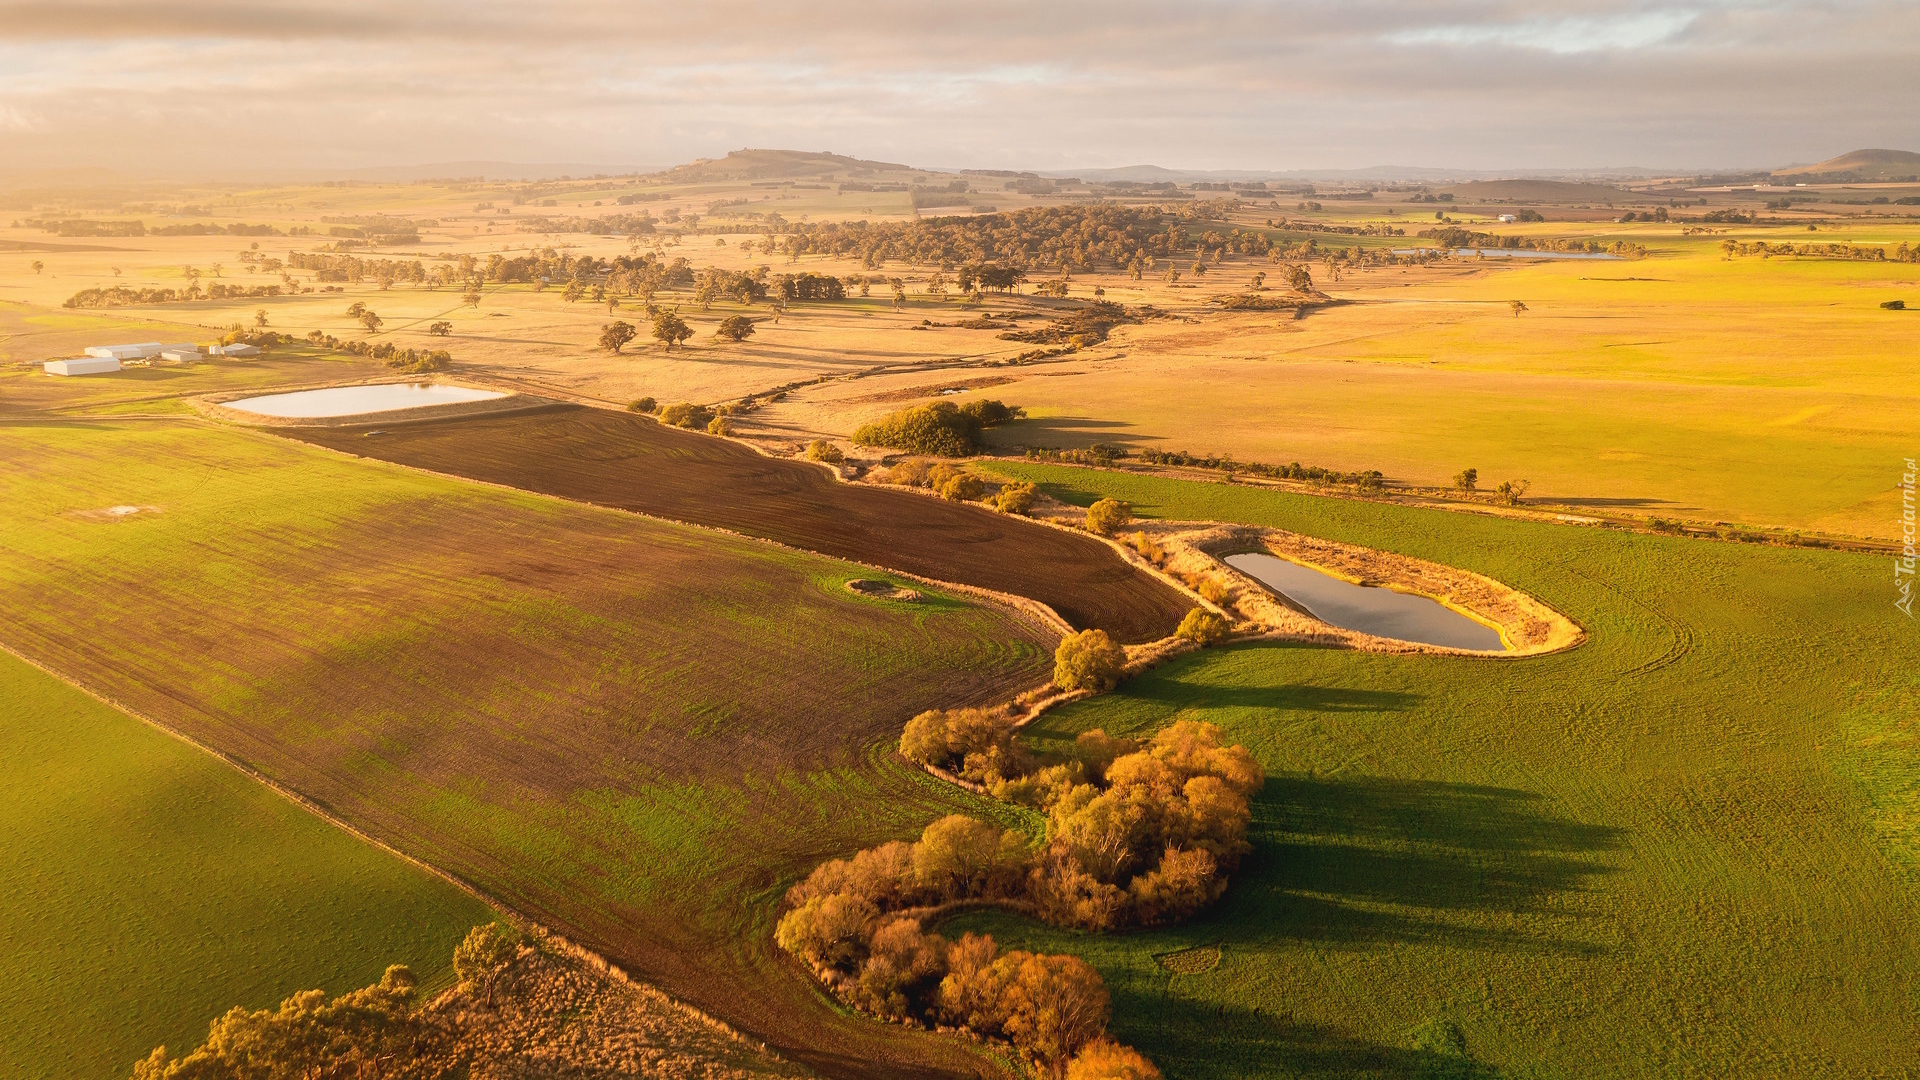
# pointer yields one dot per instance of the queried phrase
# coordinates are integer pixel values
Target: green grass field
(1686, 848)
(149, 888)
(635, 732)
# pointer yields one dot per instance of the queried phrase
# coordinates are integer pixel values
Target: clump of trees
(688, 415)
(1136, 835)
(811, 287)
(943, 480)
(1368, 480)
(124, 296)
(670, 329)
(941, 428)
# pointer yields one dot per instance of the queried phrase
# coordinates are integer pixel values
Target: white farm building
(84, 365)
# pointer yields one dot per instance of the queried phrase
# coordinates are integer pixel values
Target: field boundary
(537, 929)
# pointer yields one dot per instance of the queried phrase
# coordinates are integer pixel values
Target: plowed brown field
(627, 461)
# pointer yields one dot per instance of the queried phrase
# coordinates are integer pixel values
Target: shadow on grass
(1370, 859)
(1193, 1038)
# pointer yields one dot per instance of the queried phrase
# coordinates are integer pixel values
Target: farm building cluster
(100, 359)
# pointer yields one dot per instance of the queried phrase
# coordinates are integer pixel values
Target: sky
(194, 86)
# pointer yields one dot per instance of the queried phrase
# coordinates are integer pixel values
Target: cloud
(1212, 84)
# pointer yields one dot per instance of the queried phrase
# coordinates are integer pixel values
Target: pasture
(634, 732)
(1686, 848)
(150, 888)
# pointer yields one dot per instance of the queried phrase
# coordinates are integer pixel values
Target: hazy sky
(1029, 84)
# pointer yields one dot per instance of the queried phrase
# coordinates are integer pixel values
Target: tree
(371, 321)
(1465, 479)
(614, 336)
(1105, 1059)
(670, 329)
(822, 450)
(1088, 660)
(260, 318)
(483, 954)
(440, 329)
(1055, 1005)
(735, 328)
(1517, 307)
(1203, 627)
(38, 266)
(356, 309)
(720, 425)
(471, 297)
(1015, 497)
(642, 405)
(1107, 515)
(1512, 491)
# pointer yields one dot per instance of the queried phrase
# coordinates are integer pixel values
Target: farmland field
(634, 732)
(150, 887)
(1687, 848)
(617, 459)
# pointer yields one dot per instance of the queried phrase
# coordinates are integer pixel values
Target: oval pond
(1381, 612)
(354, 400)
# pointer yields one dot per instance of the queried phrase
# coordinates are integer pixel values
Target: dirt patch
(556, 1015)
(108, 514)
(915, 393)
(627, 461)
(884, 590)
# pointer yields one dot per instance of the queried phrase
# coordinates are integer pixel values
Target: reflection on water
(1381, 612)
(353, 400)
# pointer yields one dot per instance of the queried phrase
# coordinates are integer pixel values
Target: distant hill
(1538, 191)
(1863, 165)
(778, 165)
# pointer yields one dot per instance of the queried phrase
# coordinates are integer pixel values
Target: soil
(631, 462)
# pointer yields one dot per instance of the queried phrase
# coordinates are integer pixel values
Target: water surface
(353, 400)
(1370, 610)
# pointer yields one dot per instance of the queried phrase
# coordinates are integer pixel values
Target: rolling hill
(1862, 165)
(777, 165)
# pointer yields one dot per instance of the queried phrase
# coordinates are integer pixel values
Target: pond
(354, 400)
(1514, 253)
(1381, 612)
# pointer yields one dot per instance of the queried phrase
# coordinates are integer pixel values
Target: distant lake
(1513, 253)
(354, 400)
(1381, 612)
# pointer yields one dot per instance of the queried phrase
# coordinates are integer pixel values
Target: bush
(643, 405)
(1054, 1006)
(1015, 498)
(1894, 305)
(687, 415)
(942, 428)
(828, 931)
(961, 858)
(1108, 515)
(1088, 660)
(822, 450)
(964, 488)
(1203, 628)
(909, 474)
(975, 743)
(1104, 1059)
(720, 425)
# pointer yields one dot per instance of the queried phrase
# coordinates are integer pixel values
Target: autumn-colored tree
(483, 954)
(1104, 1059)
(1055, 1005)
(1016, 497)
(1203, 627)
(1107, 515)
(1089, 660)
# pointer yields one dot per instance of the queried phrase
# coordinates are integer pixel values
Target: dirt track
(626, 461)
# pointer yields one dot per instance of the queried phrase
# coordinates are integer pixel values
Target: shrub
(643, 405)
(1107, 515)
(1015, 498)
(720, 425)
(908, 474)
(964, 488)
(735, 328)
(687, 415)
(1894, 305)
(1212, 590)
(1104, 1059)
(1203, 627)
(1088, 660)
(822, 450)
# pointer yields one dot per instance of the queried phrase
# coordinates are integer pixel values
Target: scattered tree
(38, 266)
(440, 329)
(1511, 492)
(670, 329)
(471, 297)
(260, 318)
(1465, 479)
(735, 328)
(1517, 307)
(371, 321)
(1203, 627)
(614, 336)
(483, 954)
